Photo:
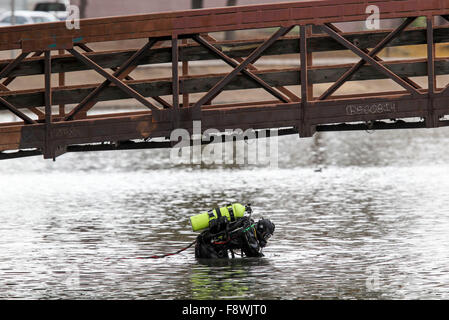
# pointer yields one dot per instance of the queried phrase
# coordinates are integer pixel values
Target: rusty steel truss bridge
(57, 118)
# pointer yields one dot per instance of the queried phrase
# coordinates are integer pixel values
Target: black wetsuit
(243, 236)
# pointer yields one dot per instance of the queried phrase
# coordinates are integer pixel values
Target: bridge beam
(304, 128)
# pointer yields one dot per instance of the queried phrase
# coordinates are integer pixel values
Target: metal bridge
(58, 118)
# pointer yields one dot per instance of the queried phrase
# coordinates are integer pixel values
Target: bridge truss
(300, 29)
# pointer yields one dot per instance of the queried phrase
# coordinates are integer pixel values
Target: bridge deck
(178, 38)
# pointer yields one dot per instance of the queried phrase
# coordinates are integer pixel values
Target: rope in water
(159, 256)
(168, 254)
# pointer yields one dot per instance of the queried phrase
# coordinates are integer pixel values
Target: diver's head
(264, 229)
(248, 209)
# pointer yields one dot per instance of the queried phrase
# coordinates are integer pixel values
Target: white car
(26, 17)
(58, 9)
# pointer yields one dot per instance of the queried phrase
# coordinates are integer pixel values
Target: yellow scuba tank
(231, 211)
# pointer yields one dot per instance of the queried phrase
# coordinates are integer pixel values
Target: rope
(160, 256)
(168, 254)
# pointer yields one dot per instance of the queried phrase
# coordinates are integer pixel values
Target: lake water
(358, 216)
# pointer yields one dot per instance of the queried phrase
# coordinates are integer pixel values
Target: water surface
(358, 216)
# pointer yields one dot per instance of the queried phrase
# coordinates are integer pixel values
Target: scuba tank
(231, 212)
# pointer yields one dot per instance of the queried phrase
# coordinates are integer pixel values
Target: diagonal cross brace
(164, 103)
(3, 86)
(87, 49)
(367, 58)
(254, 56)
(120, 84)
(234, 64)
(11, 79)
(12, 65)
(3, 74)
(379, 47)
(17, 112)
(88, 102)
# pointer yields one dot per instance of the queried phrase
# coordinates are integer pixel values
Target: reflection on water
(371, 223)
(225, 279)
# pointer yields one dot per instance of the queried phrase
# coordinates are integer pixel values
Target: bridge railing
(179, 38)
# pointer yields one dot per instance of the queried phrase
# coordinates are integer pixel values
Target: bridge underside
(60, 118)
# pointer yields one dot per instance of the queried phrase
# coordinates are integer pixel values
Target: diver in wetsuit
(224, 237)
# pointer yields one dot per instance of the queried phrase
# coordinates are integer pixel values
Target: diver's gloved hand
(264, 229)
(218, 225)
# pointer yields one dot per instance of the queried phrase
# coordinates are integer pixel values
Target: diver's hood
(264, 229)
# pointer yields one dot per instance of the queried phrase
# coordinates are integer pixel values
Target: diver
(228, 230)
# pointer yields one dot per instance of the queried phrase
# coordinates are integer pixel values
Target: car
(26, 17)
(58, 9)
